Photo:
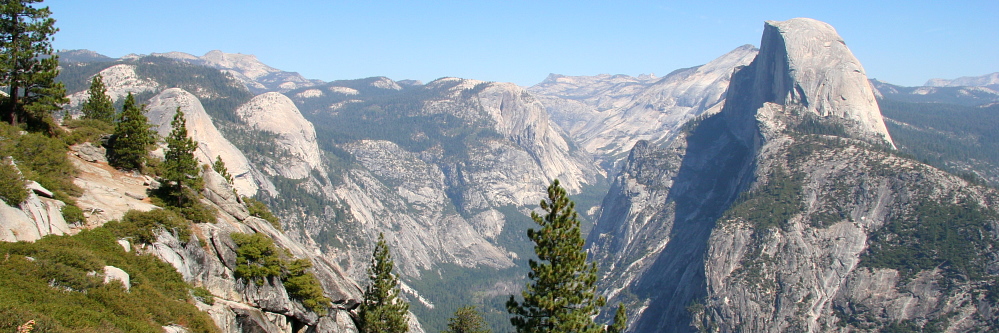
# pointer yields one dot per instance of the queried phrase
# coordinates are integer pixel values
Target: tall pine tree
(561, 296)
(180, 167)
(99, 105)
(382, 309)
(129, 147)
(28, 67)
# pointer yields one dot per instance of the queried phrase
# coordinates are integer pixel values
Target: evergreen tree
(99, 105)
(561, 296)
(620, 320)
(382, 309)
(27, 66)
(466, 320)
(180, 166)
(132, 138)
(219, 167)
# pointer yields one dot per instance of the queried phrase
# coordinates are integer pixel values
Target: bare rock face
(119, 80)
(211, 143)
(405, 195)
(804, 63)
(609, 114)
(277, 114)
(523, 119)
(112, 273)
(108, 193)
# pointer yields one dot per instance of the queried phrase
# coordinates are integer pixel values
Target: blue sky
(902, 42)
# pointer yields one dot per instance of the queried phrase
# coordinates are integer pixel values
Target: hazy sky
(902, 42)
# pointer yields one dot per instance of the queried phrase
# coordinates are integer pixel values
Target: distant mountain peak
(987, 80)
(82, 56)
(256, 75)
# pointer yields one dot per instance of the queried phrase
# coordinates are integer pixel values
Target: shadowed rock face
(690, 241)
(608, 114)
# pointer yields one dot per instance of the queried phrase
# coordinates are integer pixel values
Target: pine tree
(466, 320)
(180, 166)
(382, 309)
(561, 296)
(28, 67)
(219, 167)
(99, 105)
(620, 320)
(132, 137)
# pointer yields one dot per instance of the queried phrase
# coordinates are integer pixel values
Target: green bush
(85, 130)
(204, 295)
(184, 201)
(304, 286)
(259, 209)
(12, 190)
(44, 160)
(256, 258)
(72, 214)
(57, 292)
(141, 226)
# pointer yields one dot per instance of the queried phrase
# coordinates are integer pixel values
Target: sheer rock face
(609, 114)
(804, 63)
(296, 137)
(676, 245)
(521, 118)
(211, 143)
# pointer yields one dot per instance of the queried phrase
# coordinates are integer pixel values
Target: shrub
(44, 160)
(141, 226)
(72, 214)
(204, 295)
(85, 130)
(12, 190)
(57, 292)
(256, 257)
(304, 286)
(259, 209)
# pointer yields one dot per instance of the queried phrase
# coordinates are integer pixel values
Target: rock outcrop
(119, 80)
(37, 216)
(773, 214)
(296, 137)
(211, 143)
(34, 218)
